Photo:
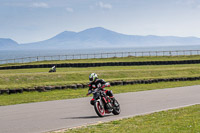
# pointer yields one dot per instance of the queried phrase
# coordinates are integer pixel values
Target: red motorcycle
(104, 104)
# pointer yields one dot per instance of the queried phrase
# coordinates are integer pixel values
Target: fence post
(128, 54)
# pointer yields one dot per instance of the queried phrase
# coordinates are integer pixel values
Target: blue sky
(35, 20)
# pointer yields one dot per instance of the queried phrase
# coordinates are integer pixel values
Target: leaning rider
(53, 68)
(98, 83)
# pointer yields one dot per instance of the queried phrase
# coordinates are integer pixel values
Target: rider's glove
(107, 84)
(89, 92)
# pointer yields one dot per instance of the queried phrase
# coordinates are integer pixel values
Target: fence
(101, 55)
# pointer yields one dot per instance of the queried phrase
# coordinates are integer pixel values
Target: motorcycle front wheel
(99, 109)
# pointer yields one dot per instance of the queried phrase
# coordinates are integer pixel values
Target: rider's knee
(109, 93)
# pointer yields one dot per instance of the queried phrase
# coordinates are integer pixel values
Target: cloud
(27, 4)
(40, 5)
(70, 9)
(191, 3)
(104, 5)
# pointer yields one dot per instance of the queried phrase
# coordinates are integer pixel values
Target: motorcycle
(53, 69)
(103, 104)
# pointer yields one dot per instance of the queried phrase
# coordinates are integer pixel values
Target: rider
(98, 83)
(53, 69)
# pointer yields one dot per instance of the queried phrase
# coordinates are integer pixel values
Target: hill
(99, 37)
(6, 43)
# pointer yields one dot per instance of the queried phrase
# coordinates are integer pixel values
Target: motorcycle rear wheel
(116, 108)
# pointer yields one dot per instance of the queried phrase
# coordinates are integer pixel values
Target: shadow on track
(86, 117)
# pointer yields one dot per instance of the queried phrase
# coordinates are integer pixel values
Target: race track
(55, 115)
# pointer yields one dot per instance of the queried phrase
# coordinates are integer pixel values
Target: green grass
(183, 120)
(19, 78)
(29, 97)
(121, 59)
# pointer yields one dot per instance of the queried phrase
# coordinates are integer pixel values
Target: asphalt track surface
(62, 114)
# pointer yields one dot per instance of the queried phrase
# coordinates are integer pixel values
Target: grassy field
(179, 120)
(122, 59)
(19, 78)
(28, 97)
(183, 120)
(27, 78)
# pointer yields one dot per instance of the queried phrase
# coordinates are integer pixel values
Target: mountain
(99, 37)
(6, 43)
(94, 37)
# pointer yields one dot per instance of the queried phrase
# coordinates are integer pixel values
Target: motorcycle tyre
(101, 112)
(116, 111)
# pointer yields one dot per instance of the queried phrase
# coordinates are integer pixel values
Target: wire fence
(101, 55)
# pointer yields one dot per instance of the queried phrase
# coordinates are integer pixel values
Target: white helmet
(93, 76)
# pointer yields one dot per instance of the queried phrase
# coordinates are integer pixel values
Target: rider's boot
(109, 107)
(113, 100)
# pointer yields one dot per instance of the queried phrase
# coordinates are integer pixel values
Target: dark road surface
(55, 115)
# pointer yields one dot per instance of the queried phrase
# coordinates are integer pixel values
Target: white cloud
(191, 3)
(40, 5)
(27, 4)
(14, 4)
(104, 5)
(70, 9)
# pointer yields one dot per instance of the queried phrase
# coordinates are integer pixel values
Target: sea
(14, 54)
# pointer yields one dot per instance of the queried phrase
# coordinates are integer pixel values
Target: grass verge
(28, 97)
(183, 120)
(24, 78)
